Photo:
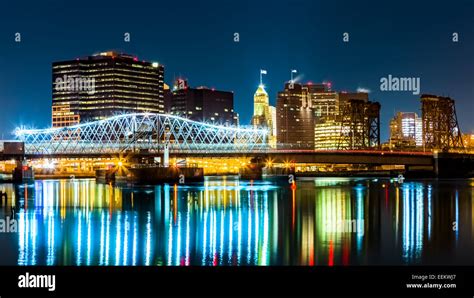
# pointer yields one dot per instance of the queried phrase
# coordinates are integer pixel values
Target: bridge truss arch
(142, 132)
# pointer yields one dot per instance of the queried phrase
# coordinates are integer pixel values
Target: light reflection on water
(224, 221)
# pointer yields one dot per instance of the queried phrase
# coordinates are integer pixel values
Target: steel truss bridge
(142, 132)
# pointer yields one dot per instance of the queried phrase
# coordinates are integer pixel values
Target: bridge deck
(279, 156)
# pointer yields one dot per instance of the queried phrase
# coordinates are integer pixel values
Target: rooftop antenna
(262, 72)
(292, 72)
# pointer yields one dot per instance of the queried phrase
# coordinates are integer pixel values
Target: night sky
(195, 39)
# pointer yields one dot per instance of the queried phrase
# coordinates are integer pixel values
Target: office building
(327, 134)
(323, 101)
(468, 140)
(203, 104)
(295, 117)
(406, 130)
(104, 85)
(263, 115)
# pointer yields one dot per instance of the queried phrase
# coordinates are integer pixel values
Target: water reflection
(225, 221)
(413, 216)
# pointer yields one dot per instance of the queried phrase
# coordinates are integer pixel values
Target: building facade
(325, 102)
(261, 108)
(327, 134)
(312, 116)
(468, 140)
(295, 117)
(63, 116)
(104, 85)
(203, 104)
(335, 126)
(406, 130)
(264, 114)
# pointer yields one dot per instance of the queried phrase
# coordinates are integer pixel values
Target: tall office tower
(331, 128)
(103, 85)
(323, 100)
(261, 108)
(262, 113)
(203, 104)
(440, 123)
(300, 108)
(406, 130)
(295, 117)
(310, 116)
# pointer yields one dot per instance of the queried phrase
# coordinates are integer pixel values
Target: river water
(226, 221)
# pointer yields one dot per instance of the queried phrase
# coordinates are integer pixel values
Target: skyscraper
(324, 101)
(262, 111)
(337, 125)
(103, 85)
(295, 117)
(406, 130)
(301, 108)
(203, 104)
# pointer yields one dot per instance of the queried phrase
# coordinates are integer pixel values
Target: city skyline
(216, 60)
(260, 85)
